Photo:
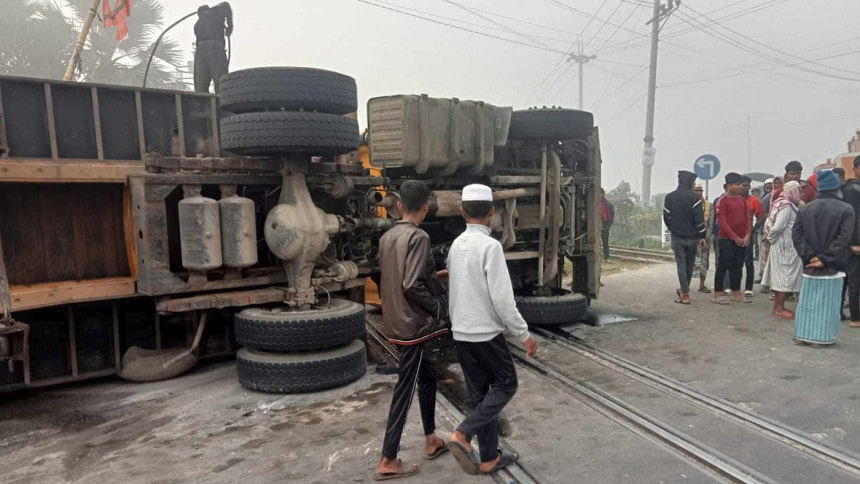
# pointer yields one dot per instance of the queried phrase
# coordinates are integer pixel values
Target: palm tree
(107, 61)
(38, 37)
(34, 36)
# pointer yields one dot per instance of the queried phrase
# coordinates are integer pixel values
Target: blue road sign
(706, 167)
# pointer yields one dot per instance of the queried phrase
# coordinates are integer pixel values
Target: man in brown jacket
(414, 310)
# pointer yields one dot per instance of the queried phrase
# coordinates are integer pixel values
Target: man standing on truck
(210, 58)
(482, 307)
(414, 311)
(684, 215)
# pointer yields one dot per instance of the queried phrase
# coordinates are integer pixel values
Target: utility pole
(79, 45)
(581, 59)
(661, 12)
(749, 144)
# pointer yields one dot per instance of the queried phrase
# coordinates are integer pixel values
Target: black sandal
(505, 459)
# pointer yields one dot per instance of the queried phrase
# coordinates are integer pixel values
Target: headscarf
(789, 197)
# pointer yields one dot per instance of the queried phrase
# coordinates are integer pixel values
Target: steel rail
(776, 430)
(712, 459)
(640, 254)
(514, 473)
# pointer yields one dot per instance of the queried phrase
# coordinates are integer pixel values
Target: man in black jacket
(851, 194)
(414, 311)
(824, 227)
(684, 217)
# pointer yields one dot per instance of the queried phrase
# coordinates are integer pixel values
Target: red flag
(116, 16)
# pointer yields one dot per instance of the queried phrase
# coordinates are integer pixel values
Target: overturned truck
(143, 230)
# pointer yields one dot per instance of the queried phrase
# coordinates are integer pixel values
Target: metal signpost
(706, 168)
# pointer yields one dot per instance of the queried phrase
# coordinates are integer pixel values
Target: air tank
(199, 230)
(238, 229)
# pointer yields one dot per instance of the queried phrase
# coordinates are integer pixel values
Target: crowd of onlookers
(793, 226)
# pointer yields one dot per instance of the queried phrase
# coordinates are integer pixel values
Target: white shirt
(480, 296)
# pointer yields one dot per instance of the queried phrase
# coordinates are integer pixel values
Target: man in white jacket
(482, 306)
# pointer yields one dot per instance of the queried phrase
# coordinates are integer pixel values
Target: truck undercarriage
(262, 231)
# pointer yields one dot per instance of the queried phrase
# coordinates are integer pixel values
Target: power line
(614, 32)
(708, 79)
(730, 16)
(560, 62)
(627, 81)
(505, 27)
(419, 13)
(740, 45)
(458, 27)
(788, 54)
(602, 24)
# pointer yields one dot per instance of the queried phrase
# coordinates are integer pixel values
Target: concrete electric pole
(661, 12)
(581, 59)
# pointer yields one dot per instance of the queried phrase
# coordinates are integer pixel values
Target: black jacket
(213, 23)
(414, 301)
(684, 213)
(851, 195)
(823, 229)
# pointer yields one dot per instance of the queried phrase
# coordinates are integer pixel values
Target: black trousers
(685, 251)
(853, 283)
(210, 63)
(415, 370)
(492, 382)
(750, 267)
(604, 234)
(731, 262)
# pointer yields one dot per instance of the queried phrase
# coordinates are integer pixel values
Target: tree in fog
(38, 37)
(635, 225)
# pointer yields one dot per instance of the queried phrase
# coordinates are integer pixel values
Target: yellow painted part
(364, 156)
(371, 293)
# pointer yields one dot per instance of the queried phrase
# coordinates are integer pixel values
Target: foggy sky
(794, 114)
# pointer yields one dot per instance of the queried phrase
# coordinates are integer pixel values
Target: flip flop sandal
(720, 301)
(397, 475)
(436, 453)
(467, 460)
(504, 461)
(705, 290)
(742, 300)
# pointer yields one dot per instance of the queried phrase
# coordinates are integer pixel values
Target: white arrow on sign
(709, 163)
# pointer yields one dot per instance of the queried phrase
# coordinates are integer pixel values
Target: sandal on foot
(467, 460)
(705, 289)
(401, 472)
(784, 314)
(854, 324)
(436, 453)
(505, 459)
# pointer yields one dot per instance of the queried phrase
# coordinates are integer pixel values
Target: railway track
(640, 255)
(716, 461)
(773, 438)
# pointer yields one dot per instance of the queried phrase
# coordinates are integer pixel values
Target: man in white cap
(482, 306)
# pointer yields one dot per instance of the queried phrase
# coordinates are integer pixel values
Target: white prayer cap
(769, 180)
(477, 193)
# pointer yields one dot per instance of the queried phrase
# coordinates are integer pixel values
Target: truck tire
(336, 324)
(287, 88)
(281, 132)
(301, 372)
(551, 124)
(553, 310)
